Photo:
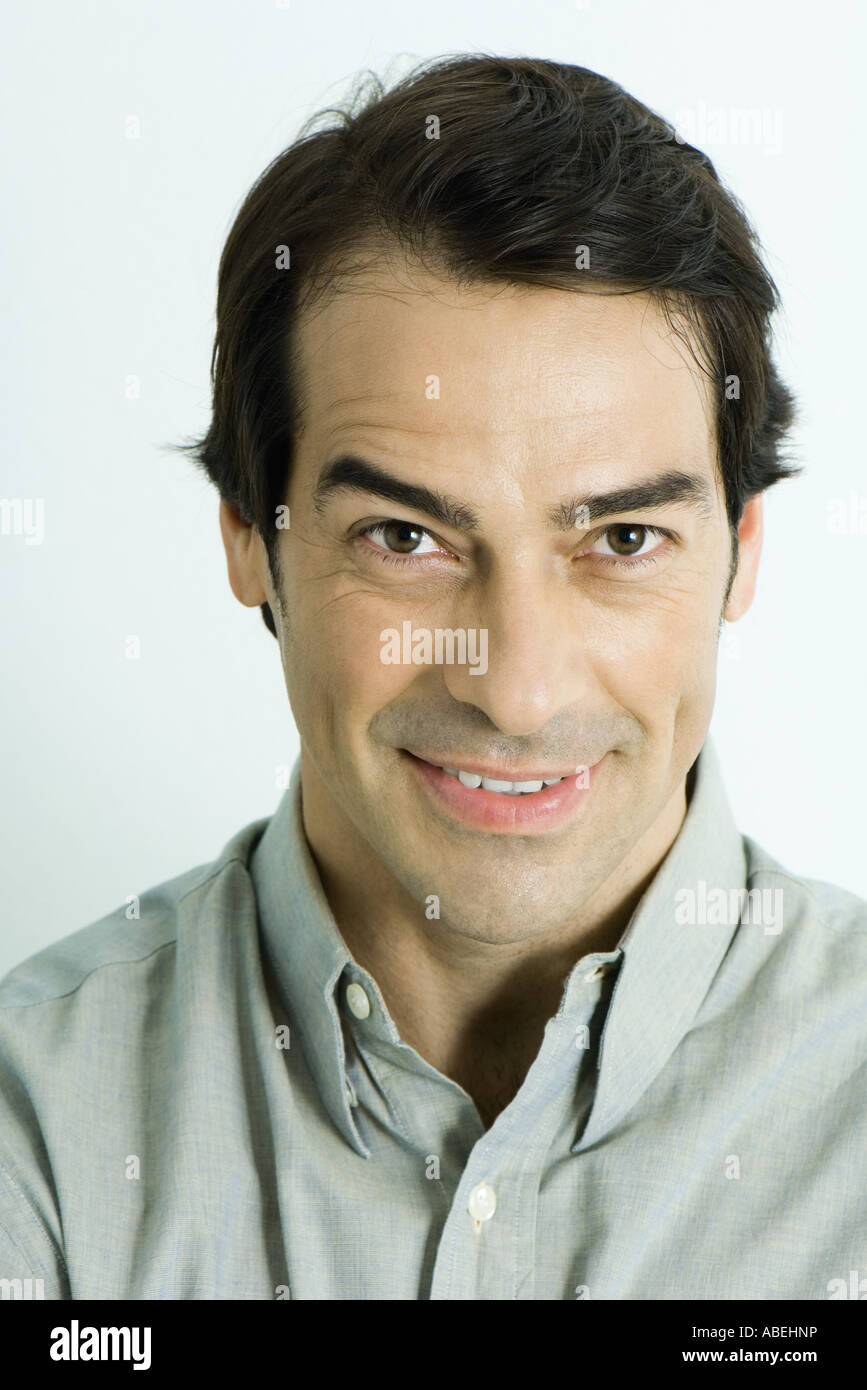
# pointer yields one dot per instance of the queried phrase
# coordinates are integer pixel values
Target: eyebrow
(350, 473)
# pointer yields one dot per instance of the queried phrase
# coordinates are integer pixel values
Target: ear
(245, 555)
(749, 550)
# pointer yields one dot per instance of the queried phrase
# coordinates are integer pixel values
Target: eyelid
(659, 531)
(368, 526)
(623, 563)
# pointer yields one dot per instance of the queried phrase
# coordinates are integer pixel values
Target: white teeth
(494, 784)
(491, 784)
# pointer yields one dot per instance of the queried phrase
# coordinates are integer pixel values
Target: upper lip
(499, 774)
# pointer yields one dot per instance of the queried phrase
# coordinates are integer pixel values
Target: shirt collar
(305, 951)
(665, 966)
(669, 963)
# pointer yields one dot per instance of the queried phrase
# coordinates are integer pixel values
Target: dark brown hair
(494, 169)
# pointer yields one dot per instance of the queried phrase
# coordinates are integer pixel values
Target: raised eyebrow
(351, 473)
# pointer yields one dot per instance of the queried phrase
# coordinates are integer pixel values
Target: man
(499, 1004)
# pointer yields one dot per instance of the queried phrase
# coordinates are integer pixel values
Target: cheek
(333, 659)
(659, 654)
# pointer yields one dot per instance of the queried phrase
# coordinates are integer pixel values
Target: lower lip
(531, 813)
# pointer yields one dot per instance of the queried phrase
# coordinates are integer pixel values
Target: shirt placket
(487, 1249)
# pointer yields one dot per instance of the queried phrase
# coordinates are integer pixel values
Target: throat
(493, 1075)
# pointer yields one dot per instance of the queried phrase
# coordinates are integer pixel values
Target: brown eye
(402, 536)
(395, 538)
(626, 539)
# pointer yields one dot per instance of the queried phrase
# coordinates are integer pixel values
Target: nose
(536, 663)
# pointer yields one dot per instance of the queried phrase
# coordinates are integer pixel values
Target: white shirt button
(482, 1203)
(597, 973)
(357, 1000)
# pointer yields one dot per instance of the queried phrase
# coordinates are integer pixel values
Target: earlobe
(243, 559)
(743, 587)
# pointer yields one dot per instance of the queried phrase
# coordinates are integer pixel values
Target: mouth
(529, 801)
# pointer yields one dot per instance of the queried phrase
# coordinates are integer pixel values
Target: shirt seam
(822, 913)
(42, 1230)
(136, 960)
(104, 965)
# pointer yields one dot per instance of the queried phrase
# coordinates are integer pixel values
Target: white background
(118, 774)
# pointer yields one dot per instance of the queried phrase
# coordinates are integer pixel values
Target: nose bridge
(534, 666)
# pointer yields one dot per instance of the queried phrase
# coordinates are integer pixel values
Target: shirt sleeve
(31, 1256)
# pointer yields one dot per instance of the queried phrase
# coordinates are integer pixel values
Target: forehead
(398, 349)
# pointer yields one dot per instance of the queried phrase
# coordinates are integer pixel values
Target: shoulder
(128, 941)
(86, 1028)
(808, 901)
(807, 940)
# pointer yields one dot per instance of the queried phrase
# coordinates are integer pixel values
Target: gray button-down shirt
(192, 1107)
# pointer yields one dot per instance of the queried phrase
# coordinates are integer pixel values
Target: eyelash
(387, 557)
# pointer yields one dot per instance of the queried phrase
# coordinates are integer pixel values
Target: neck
(475, 1010)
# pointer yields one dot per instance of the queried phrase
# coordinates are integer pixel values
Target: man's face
(512, 403)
